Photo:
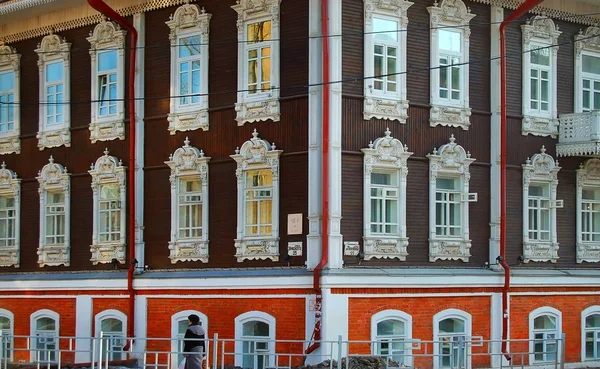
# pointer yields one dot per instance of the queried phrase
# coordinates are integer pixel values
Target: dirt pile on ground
(355, 362)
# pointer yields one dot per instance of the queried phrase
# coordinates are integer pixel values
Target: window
(540, 115)
(544, 335)
(189, 204)
(10, 116)
(258, 61)
(10, 210)
(108, 186)
(588, 214)
(108, 84)
(385, 172)
(6, 333)
(179, 324)
(110, 329)
(45, 332)
(587, 70)
(449, 196)
(449, 79)
(54, 62)
(190, 28)
(54, 182)
(391, 330)
(256, 334)
(539, 208)
(590, 333)
(385, 60)
(258, 200)
(452, 333)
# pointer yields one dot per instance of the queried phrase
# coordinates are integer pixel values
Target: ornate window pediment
(108, 186)
(449, 199)
(449, 81)
(540, 180)
(55, 215)
(189, 36)
(588, 215)
(107, 53)
(189, 204)
(54, 59)
(385, 172)
(10, 204)
(587, 65)
(10, 82)
(258, 200)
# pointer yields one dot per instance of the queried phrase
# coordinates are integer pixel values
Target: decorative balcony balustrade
(579, 134)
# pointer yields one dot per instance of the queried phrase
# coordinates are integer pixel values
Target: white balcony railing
(579, 134)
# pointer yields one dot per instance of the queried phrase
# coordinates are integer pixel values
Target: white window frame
(188, 163)
(540, 169)
(239, 329)
(10, 185)
(54, 178)
(385, 155)
(10, 62)
(260, 106)
(33, 318)
(106, 171)
(450, 161)
(177, 344)
(588, 176)
(452, 15)
(107, 35)
(585, 44)
(541, 311)
(540, 31)
(394, 315)
(451, 314)
(109, 314)
(384, 104)
(256, 154)
(189, 20)
(51, 50)
(11, 332)
(592, 310)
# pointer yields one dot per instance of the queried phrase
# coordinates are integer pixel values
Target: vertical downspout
(524, 8)
(103, 8)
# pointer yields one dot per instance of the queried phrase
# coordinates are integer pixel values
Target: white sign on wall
(294, 224)
(351, 248)
(295, 248)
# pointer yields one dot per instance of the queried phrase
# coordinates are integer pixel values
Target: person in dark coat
(193, 343)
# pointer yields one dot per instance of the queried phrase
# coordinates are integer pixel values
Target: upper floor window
(452, 333)
(540, 72)
(587, 70)
(588, 214)
(10, 213)
(54, 62)
(108, 82)
(590, 333)
(255, 339)
(6, 333)
(391, 332)
(385, 60)
(540, 179)
(449, 79)
(449, 197)
(189, 204)
(258, 200)
(385, 172)
(190, 28)
(179, 324)
(544, 334)
(55, 194)
(108, 186)
(258, 61)
(110, 327)
(10, 117)
(45, 331)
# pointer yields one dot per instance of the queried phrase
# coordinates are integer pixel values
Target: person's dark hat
(194, 318)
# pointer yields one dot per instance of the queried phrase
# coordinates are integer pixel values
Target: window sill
(10, 143)
(103, 253)
(449, 249)
(249, 111)
(539, 126)
(54, 138)
(385, 107)
(540, 251)
(53, 255)
(188, 120)
(385, 247)
(449, 115)
(188, 250)
(107, 130)
(588, 252)
(252, 248)
(9, 256)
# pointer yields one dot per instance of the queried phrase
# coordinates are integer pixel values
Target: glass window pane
(189, 46)
(449, 40)
(447, 183)
(7, 81)
(54, 72)
(259, 32)
(390, 327)
(111, 325)
(385, 29)
(591, 64)
(107, 60)
(539, 55)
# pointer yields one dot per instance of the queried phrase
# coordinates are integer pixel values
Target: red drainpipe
(522, 9)
(325, 189)
(103, 8)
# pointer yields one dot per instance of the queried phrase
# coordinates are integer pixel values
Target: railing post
(339, 353)
(563, 340)
(215, 350)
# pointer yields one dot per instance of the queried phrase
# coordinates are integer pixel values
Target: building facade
(230, 103)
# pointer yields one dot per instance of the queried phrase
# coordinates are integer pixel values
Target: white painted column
(83, 329)
(139, 24)
(335, 322)
(141, 323)
(496, 330)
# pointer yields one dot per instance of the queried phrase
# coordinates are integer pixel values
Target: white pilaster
(334, 323)
(141, 323)
(139, 24)
(83, 328)
(496, 314)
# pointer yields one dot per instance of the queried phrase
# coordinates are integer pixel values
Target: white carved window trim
(106, 171)
(177, 342)
(261, 106)
(451, 314)
(189, 20)
(585, 43)
(540, 169)
(256, 154)
(53, 49)
(588, 176)
(258, 316)
(10, 62)
(6, 335)
(399, 316)
(451, 15)
(540, 31)
(186, 163)
(33, 318)
(380, 104)
(386, 155)
(108, 36)
(450, 161)
(10, 185)
(541, 311)
(54, 178)
(592, 310)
